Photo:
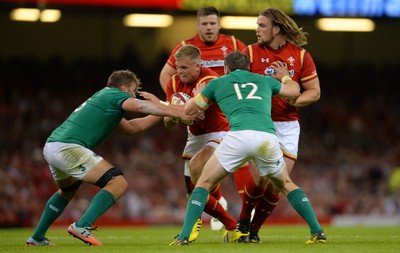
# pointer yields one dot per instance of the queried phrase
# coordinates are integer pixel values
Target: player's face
(187, 69)
(265, 31)
(208, 28)
(132, 89)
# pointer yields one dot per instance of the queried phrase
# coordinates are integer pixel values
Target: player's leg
(58, 201)
(211, 142)
(253, 192)
(53, 209)
(300, 202)
(242, 176)
(113, 185)
(212, 173)
(288, 133)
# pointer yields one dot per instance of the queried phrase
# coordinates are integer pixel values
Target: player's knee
(69, 192)
(110, 175)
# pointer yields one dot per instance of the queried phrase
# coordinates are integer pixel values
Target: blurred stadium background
(349, 159)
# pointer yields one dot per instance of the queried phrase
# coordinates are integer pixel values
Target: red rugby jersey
(212, 54)
(214, 120)
(301, 68)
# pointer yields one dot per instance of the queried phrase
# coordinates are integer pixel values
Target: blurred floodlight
(50, 15)
(25, 14)
(34, 15)
(239, 23)
(148, 20)
(346, 24)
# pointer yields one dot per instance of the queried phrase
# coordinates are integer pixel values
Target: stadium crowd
(349, 146)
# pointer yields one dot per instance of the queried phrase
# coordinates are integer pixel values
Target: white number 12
(251, 93)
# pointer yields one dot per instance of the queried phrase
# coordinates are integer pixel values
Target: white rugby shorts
(288, 133)
(68, 159)
(195, 143)
(239, 147)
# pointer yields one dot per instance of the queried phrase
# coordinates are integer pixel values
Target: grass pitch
(156, 239)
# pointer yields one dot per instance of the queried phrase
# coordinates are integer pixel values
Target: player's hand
(280, 68)
(194, 117)
(148, 96)
(199, 88)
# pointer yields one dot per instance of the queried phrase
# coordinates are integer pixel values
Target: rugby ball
(180, 98)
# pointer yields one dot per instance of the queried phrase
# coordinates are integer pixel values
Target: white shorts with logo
(239, 147)
(68, 159)
(288, 133)
(195, 143)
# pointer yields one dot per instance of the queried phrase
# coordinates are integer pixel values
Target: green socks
(298, 199)
(194, 209)
(53, 209)
(100, 203)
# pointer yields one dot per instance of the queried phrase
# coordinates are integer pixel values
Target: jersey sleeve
(275, 84)
(308, 71)
(169, 89)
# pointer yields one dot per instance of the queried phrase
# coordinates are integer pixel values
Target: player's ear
(276, 30)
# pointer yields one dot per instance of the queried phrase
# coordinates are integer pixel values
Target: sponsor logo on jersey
(305, 199)
(265, 60)
(212, 63)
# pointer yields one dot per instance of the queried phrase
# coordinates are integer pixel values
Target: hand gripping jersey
(212, 55)
(215, 120)
(301, 68)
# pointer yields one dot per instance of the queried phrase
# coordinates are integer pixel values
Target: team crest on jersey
(224, 50)
(291, 60)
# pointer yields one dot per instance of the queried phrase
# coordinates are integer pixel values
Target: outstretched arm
(158, 108)
(134, 126)
(197, 104)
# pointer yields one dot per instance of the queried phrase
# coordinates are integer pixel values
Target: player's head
(273, 24)
(208, 24)
(236, 60)
(124, 80)
(187, 62)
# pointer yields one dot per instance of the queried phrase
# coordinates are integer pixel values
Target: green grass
(155, 239)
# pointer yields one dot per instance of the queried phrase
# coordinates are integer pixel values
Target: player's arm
(196, 104)
(133, 126)
(158, 109)
(166, 73)
(310, 94)
(290, 89)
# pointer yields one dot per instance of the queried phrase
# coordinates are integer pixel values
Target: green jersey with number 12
(245, 99)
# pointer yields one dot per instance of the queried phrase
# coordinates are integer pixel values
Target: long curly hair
(290, 30)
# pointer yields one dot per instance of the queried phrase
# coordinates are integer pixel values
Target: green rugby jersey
(93, 120)
(245, 99)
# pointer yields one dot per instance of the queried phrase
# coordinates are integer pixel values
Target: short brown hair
(121, 77)
(237, 60)
(206, 11)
